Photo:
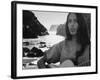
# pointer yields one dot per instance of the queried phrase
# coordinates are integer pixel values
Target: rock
(32, 28)
(25, 52)
(35, 52)
(61, 30)
(53, 28)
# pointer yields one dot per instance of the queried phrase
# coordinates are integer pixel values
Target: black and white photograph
(53, 39)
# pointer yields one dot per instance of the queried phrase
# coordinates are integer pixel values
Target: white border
(36, 72)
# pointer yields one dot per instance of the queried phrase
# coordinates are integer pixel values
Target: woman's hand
(53, 65)
(41, 63)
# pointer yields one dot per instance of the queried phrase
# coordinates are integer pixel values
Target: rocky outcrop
(61, 30)
(53, 28)
(32, 28)
(34, 52)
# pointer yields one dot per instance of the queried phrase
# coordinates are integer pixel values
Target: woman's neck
(74, 38)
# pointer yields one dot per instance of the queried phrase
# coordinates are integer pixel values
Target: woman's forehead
(72, 15)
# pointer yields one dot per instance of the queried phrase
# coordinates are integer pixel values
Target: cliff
(53, 28)
(32, 28)
(61, 30)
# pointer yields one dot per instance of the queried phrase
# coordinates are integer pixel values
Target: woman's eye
(69, 21)
(75, 20)
(72, 21)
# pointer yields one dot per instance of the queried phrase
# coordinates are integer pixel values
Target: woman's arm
(50, 56)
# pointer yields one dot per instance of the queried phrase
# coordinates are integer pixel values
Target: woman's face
(72, 24)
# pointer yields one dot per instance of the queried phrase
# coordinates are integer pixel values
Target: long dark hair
(82, 33)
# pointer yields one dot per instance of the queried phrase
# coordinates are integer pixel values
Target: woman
(75, 45)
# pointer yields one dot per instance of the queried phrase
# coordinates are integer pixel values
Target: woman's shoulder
(58, 45)
(61, 43)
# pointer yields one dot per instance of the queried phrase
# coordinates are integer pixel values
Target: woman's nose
(72, 24)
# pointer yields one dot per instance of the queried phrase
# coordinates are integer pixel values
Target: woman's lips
(72, 30)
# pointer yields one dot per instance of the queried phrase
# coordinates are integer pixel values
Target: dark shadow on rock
(32, 28)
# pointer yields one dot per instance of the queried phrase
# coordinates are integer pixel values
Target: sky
(48, 18)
